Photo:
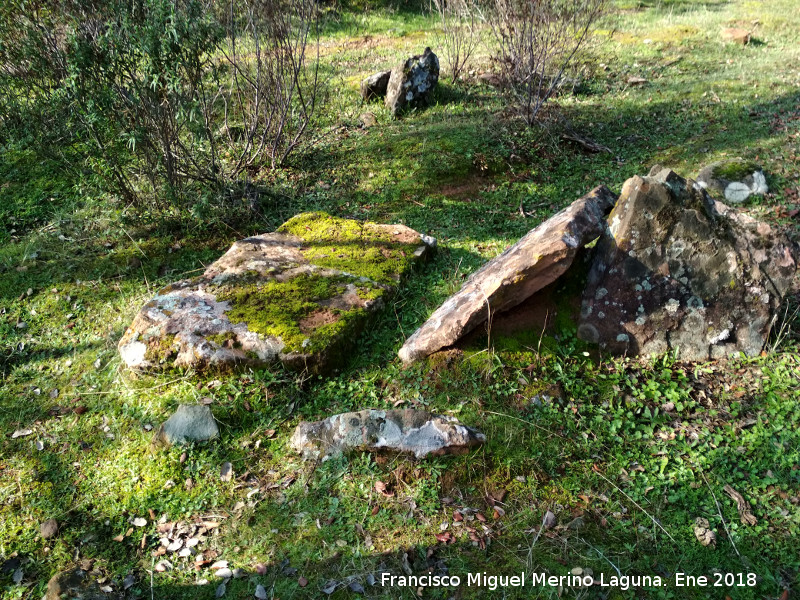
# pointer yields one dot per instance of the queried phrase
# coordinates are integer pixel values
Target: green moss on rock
(735, 170)
(361, 249)
(278, 309)
(160, 349)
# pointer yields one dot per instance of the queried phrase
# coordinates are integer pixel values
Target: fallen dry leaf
(382, 488)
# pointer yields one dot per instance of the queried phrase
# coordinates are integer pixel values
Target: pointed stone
(535, 261)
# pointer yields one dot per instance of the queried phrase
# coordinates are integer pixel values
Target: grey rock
(190, 423)
(375, 85)
(539, 258)
(300, 295)
(408, 431)
(678, 271)
(733, 180)
(411, 84)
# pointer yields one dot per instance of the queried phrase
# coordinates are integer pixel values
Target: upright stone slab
(375, 85)
(411, 84)
(300, 295)
(535, 261)
(679, 271)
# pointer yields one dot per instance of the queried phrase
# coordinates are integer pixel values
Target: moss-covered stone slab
(733, 180)
(678, 271)
(300, 295)
(535, 261)
(406, 431)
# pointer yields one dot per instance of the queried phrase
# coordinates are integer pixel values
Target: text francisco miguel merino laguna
(493, 582)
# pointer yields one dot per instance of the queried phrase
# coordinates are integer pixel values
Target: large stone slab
(535, 261)
(411, 84)
(408, 431)
(300, 295)
(678, 271)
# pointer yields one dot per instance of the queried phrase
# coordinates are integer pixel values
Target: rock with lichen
(78, 584)
(733, 180)
(678, 271)
(411, 84)
(300, 295)
(543, 255)
(406, 431)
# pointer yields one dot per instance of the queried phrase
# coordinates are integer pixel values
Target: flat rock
(678, 271)
(535, 261)
(375, 85)
(190, 423)
(408, 431)
(77, 584)
(733, 180)
(411, 84)
(300, 295)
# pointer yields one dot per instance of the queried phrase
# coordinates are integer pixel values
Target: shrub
(458, 35)
(536, 40)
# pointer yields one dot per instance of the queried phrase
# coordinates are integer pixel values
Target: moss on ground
(361, 249)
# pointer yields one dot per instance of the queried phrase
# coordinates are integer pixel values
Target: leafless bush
(459, 35)
(272, 52)
(536, 41)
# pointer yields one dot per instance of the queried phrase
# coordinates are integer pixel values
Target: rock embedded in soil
(190, 423)
(539, 258)
(375, 85)
(411, 84)
(49, 529)
(77, 584)
(736, 35)
(407, 431)
(300, 295)
(734, 180)
(678, 271)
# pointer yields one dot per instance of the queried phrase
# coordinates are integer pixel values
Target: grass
(627, 454)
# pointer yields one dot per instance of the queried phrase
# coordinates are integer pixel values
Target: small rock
(703, 532)
(224, 573)
(226, 472)
(261, 593)
(49, 529)
(191, 422)
(733, 180)
(735, 35)
(368, 120)
(375, 85)
(549, 520)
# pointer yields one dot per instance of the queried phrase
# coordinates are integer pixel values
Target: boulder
(411, 84)
(375, 86)
(300, 295)
(190, 423)
(407, 431)
(535, 261)
(678, 271)
(733, 180)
